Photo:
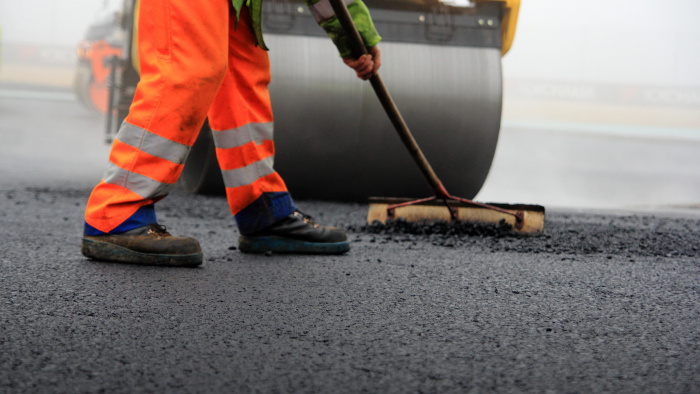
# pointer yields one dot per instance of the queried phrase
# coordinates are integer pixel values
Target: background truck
(103, 40)
(440, 61)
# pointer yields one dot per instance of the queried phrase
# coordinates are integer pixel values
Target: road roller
(440, 60)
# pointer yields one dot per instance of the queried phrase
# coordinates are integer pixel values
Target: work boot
(151, 245)
(297, 233)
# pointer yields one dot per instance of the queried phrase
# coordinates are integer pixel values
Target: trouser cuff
(142, 217)
(266, 210)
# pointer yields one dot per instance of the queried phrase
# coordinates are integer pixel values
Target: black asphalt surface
(602, 302)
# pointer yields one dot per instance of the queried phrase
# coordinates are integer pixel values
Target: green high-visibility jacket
(358, 11)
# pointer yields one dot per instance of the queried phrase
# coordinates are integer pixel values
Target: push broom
(442, 206)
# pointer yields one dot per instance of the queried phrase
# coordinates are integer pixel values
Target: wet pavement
(603, 301)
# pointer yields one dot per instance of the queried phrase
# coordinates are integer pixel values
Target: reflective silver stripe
(246, 175)
(137, 183)
(323, 9)
(152, 144)
(240, 136)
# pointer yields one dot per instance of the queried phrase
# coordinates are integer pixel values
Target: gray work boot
(150, 245)
(297, 233)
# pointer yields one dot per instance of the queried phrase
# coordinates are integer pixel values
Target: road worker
(199, 59)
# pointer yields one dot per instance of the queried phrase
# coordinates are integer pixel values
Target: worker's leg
(242, 124)
(183, 47)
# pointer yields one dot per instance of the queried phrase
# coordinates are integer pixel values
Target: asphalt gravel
(614, 235)
(599, 303)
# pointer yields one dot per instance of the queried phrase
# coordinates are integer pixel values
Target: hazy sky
(625, 41)
(56, 22)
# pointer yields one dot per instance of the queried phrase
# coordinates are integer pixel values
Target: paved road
(602, 302)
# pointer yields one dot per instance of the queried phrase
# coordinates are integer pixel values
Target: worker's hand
(366, 65)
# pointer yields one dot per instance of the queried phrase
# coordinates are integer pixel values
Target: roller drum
(334, 141)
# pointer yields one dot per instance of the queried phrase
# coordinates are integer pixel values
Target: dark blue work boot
(150, 245)
(297, 233)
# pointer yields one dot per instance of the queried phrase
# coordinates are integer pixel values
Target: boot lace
(306, 218)
(158, 230)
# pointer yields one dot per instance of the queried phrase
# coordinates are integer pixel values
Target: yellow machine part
(509, 19)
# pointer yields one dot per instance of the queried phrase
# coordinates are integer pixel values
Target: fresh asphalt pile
(565, 233)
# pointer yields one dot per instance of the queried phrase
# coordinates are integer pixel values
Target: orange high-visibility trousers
(194, 63)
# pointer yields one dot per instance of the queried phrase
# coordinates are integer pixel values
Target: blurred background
(40, 38)
(601, 98)
(616, 63)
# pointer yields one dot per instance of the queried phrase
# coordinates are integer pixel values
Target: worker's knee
(214, 73)
(210, 75)
(202, 78)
